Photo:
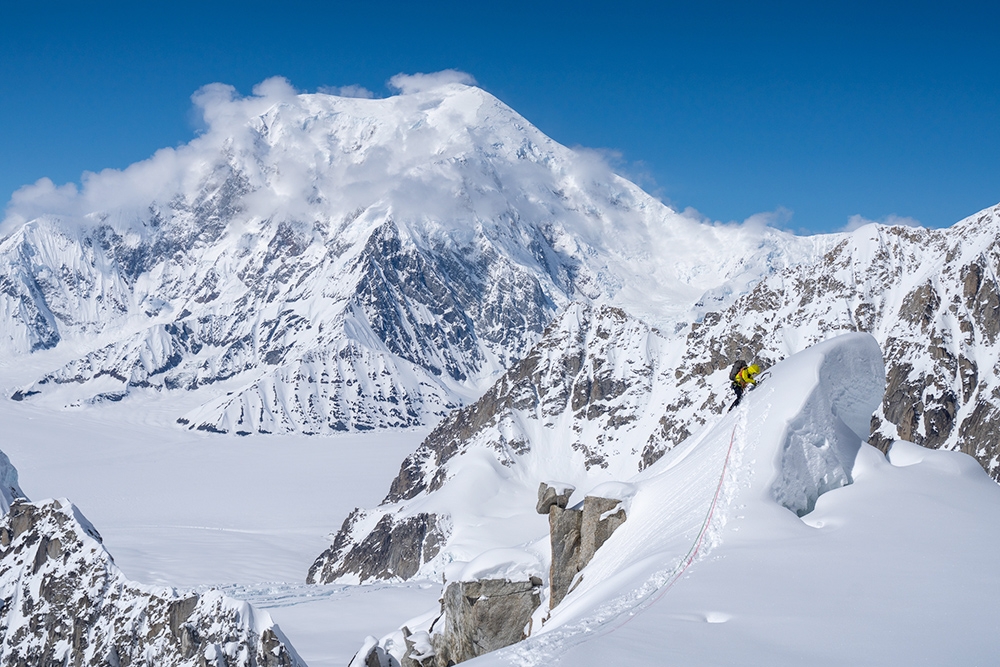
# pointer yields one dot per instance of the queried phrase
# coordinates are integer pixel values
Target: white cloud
(778, 218)
(225, 117)
(857, 221)
(347, 91)
(408, 84)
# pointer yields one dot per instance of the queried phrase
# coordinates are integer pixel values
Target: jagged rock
(75, 607)
(575, 535)
(565, 538)
(599, 521)
(393, 549)
(483, 616)
(419, 650)
(556, 494)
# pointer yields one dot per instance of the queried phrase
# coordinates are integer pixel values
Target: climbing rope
(695, 547)
(679, 570)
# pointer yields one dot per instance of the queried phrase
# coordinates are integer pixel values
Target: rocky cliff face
(63, 601)
(931, 299)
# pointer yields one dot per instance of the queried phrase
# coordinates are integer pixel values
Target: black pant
(738, 388)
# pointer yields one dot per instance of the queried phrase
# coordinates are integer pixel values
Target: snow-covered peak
(452, 166)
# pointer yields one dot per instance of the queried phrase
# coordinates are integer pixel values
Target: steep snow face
(347, 263)
(930, 298)
(584, 407)
(711, 569)
(770, 535)
(65, 602)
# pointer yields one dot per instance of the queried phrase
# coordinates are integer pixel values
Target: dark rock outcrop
(565, 539)
(483, 616)
(549, 495)
(575, 535)
(394, 549)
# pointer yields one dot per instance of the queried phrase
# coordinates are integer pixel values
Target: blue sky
(810, 113)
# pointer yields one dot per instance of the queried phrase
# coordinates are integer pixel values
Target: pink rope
(693, 553)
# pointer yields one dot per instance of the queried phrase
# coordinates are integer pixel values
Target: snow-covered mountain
(580, 408)
(316, 264)
(603, 396)
(64, 601)
(344, 263)
(930, 297)
(765, 538)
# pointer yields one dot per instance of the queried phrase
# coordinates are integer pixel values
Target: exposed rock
(598, 523)
(557, 495)
(391, 550)
(483, 616)
(565, 539)
(65, 602)
(575, 535)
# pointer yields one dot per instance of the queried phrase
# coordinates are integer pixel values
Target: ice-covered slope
(346, 263)
(931, 299)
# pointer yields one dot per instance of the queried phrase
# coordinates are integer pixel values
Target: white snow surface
(713, 566)
(897, 562)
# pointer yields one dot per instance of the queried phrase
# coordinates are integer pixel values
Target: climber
(742, 377)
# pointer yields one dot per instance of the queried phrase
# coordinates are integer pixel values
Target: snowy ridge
(65, 602)
(930, 298)
(439, 231)
(792, 440)
(643, 582)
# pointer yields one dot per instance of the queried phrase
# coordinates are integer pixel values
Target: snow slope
(714, 566)
(930, 297)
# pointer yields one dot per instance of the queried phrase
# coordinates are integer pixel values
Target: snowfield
(712, 566)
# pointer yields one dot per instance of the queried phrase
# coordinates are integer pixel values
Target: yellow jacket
(747, 375)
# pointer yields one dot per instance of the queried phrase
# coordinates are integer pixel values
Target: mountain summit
(315, 263)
